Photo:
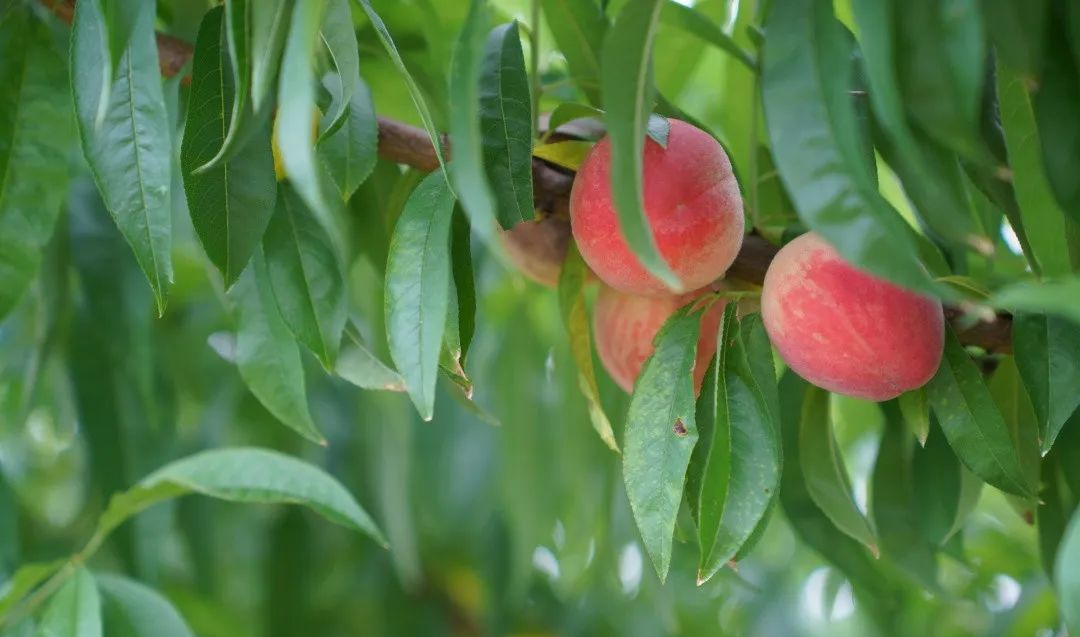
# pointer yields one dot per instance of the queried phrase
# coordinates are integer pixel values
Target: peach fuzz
(624, 326)
(845, 330)
(692, 204)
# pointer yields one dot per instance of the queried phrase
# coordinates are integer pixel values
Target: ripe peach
(624, 326)
(538, 248)
(691, 201)
(845, 330)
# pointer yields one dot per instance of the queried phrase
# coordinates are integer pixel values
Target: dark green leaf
(464, 286)
(414, 89)
(1056, 103)
(693, 22)
(1043, 220)
(132, 609)
(306, 275)
(972, 423)
(576, 321)
(824, 472)
(628, 96)
(579, 27)
(239, 474)
(939, 489)
(1067, 574)
(36, 133)
(130, 154)
(266, 353)
(1057, 502)
(660, 435)
(1048, 356)
(817, 147)
(74, 610)
(269, 26)
(340, 40)
(895, 502)
(1016, 28)
(232, 203)
(506, 125)
(349, 154)
(467, 169)
(358, 365)
(297, 110)
(418, 288)
(1019, 416)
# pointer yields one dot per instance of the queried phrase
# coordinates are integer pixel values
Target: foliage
(262, 215)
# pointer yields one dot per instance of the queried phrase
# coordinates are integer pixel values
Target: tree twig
(405, 144)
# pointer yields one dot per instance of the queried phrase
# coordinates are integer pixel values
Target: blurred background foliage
(505, 517)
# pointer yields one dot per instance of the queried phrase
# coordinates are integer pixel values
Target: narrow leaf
(660, 435)
(506, 125)
(568, 112)
(339, 37)
(132, 609)
(1058, 297)
(418, 288)
(686, 18)
(306, 275)
(1048, 356)
(349, 154)
(232, 203)
(239, 474)
(1067, 574)
(628, 96)
(816, 143)
(24, 580)
(269, 26)
(576, 321)
(578, 27)
(266, 353)
(916, 411)
(971, 421)
(36, 134)
(74, 610)
(130, 155)
(358, 365)
(823, 469)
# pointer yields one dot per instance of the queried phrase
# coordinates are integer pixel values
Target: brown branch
(411, 146)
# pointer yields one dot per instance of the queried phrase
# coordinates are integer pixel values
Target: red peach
(624, 326)
(692, 203)
(845, 330)
(538, 248)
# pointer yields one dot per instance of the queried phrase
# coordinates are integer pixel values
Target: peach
(692, 204)
(845, 330)
(538, 248)
(624, 326)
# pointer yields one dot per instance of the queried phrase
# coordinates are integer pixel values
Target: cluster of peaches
(838, 327)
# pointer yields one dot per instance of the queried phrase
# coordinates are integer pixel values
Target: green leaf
(463, 298)
(817, 146)
(568, 112)
(824, 472)
(418, 288)
(940, 493)
(306, 276)
(269, 26)
(628, 97)
(74, 610)
(414, 89)
(1067, 574)
(349, 154)
(661, 433)
(1056, 103)
(339, 36)
(24, 580)
(691, 21)
(1016, 28)
(266, 353)
(1047, 352)
(467, 169)
(1042, 218)
(1012, 402)
(1060, 298)
(971, 421)
(576, 322)
(132, 609)
(506, 125)
(130, 155)
(36, 134)
(243, 120)
(242, 474)
(230, 204)
(297, 110)
(940, 65)
(578, 27)
(931, 175)
(895, 505)
(358, 365)
(916, 412)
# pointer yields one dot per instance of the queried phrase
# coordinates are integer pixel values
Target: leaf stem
(534, 63)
